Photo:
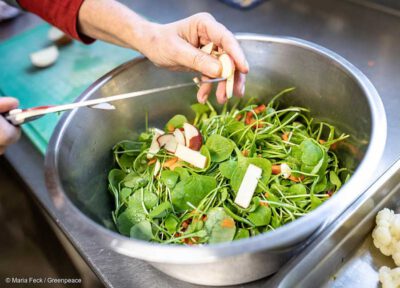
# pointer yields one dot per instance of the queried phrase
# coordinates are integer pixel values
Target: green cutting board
(77, 67)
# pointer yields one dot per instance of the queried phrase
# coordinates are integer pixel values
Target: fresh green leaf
(334, 179)
(128, 218)
(169, 178)
(261, 216)
(161, 210)
(149, 199)
(142, 231)
(227, 168)
(192, 190)
(183, 172)
(171, 223)
(200, 108)
(175, 122)
(220, 147)
(220, 226)
(133, 180)
(115, 177)
(242, 234)
(315, 202)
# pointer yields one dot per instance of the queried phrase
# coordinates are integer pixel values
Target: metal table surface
(367, 37)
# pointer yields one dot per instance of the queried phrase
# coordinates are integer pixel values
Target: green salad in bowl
(224, 175)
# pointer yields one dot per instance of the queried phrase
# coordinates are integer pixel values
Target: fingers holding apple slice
(234, 85)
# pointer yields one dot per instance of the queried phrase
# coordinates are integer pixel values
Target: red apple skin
(196, 142)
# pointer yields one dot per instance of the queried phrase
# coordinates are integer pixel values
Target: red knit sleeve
(61, 13)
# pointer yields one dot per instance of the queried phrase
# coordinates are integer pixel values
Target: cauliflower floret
(386, 234)
(390, 278)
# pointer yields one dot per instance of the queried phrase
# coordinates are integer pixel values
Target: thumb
(197, 60)
(7, 104)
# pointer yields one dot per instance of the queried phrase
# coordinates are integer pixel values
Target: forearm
(112, 22)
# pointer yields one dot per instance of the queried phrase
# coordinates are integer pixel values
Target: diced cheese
(248, 186)
(191, 156)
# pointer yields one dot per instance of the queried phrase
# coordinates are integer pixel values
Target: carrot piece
(321, 141)
(245, 152)
(276, 169)
(285, 136)
(239, 117)
(170, 128)
(264, 203)
(152, 161)
(185, 224)
(170, 162)
(249, 118)
(296, 179)
(227, 223)
(260, 109)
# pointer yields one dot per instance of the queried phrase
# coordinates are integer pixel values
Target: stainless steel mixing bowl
(79, 154)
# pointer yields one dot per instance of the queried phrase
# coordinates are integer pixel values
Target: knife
(21, 116)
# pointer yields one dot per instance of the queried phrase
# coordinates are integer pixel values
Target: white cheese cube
(248, 186)
(191, 156)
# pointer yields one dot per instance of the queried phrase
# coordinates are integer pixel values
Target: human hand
(9, 134)
(175, 46)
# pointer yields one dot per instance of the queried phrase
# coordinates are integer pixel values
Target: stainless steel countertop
(367, 37)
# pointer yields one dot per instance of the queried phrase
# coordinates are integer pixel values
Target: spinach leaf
(142, 231)
(131, 216)
(261, 216)
(219, 226)
(171, 223)
(161, 210)
(199, 108)
(183, 172)
(238, 132)
(124, 194)
(192, 190)
(125, 162)
(334, 179)
(144, 196)
(133, 180)
(242, 233)
(169, 178)
(175, 122)
(220, 147)
(315, 202)
(115, 177)
(227, 168)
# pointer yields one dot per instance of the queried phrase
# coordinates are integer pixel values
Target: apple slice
(45, 57)
(193, 137)
(157, 168)
(210, 47)
(154, 146)
(168, 142)
(180, 137)
(190, 156)
(229, 86)
(58, 37)
(228, 68)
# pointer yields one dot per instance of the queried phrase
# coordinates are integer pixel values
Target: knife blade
(20, 116)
